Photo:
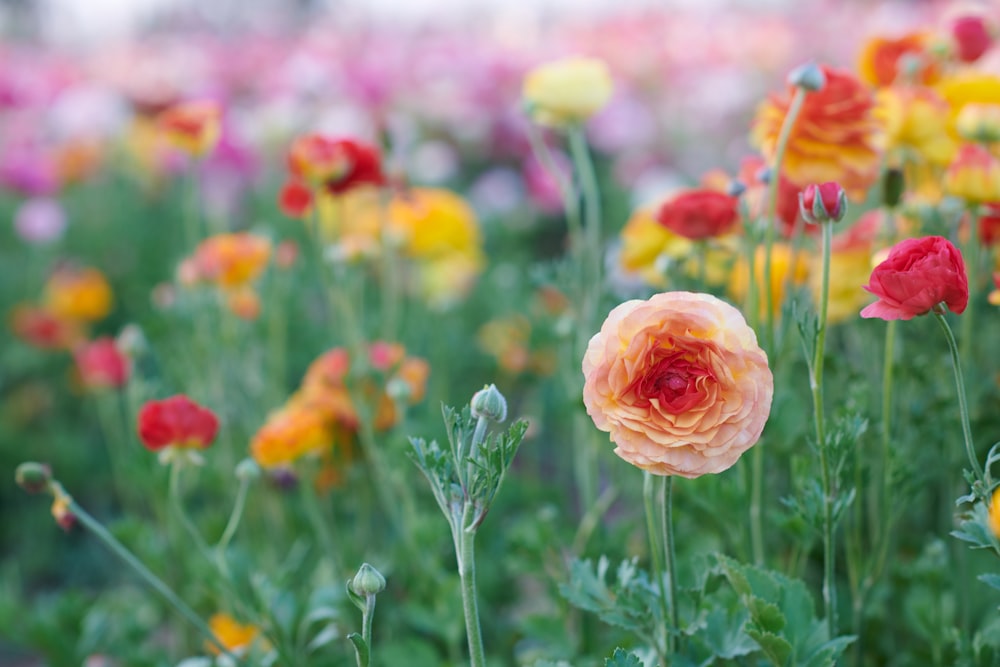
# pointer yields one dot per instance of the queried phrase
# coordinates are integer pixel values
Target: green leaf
(623, 659)
(990, 579)
(777, 649)
(360, 648)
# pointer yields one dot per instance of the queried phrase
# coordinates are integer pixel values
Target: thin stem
(367, 615)
(177, 503)
(234, 519)
(963, 406)
(886, 431)
(973, 256)
(666, 502)
(656, 554)
(320, 528)
(466, 541)
(154, 582)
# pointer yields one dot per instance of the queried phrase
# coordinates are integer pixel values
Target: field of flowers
(665, 339)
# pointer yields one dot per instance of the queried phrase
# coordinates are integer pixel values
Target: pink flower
(679, 382)
(101, 365)
(918, 275)
(826, 202)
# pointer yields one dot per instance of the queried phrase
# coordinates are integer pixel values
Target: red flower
(337, 165)
(176, 422)
(755, 175)
(101, 365)
(699, 214)
(295, 199)
(918, 275)
(972, 38)
(829, 206)
(989, 224)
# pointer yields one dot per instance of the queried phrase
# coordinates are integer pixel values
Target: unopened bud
(62, 513)
(823, 203)
(736, 188)
(807, 77)
(33, 477)
(368, 581)
(489, 403)
(893, 186)
(247, 470)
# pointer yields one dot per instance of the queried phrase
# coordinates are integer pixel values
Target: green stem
(234, 521)
(367, 615)
(177, 503)
(320, 528)
(963, 406)
(972, 255)
(466, 541)
(154, 582)
(886, 431)
(666, 511)
(656, 555)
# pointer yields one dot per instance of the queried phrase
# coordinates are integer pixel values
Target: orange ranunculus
(78, 293)
(289, 434)
(232, 634)
(835, 137)
(231, 260)
(679, 382)
(883, 60)
(974, 176)
(192, 127)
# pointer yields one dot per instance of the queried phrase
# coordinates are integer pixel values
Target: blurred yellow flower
(235, 636)
(968, 87)
(289, 434)
(994, 513)
(916, 122)
(979, 122)
(789, 268)
(974, 176)
(567, 91)
(78, 293)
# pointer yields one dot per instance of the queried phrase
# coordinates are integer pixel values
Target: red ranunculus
(699, 214)
(295, 199)
(989, 224)
(176, 422)
(972, 38)
(918, 275)
(101, 365)
(337, 165)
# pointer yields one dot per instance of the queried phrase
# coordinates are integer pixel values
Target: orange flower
(679, 382)
(236, 637)
(244, 303)
(43, 329)
(835, 137)
(192, 127)
(231, 260)
(288, 435)
(78, 293)
(884, 59)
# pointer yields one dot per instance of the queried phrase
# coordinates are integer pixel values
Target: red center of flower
(675, 383)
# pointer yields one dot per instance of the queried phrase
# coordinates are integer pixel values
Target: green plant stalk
(174, 493)
(886, 430)
(963, 406)
(466, 541)
(320, 528)
(277, 332)
(666, 511)
(367, 614)
(154, 582)
(234, 522)
(656, 555)
(816, 385)
(972, 253)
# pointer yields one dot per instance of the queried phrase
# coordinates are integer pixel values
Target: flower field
(650, 338)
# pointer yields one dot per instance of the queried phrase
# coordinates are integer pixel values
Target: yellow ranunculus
(567, 91)
(783, 275)
(79, 294)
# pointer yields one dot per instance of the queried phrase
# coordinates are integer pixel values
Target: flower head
(176, 422)
(78, 293)
(102, 365)
(40, 327)
(699, 214)
(336, 165)
(679, 382)
(918, 275)
(192, 127)
(567, 91)
(971, 37)
(232, 634)
(884, 59)
(231, 260)
(974, 175)
(288, 435)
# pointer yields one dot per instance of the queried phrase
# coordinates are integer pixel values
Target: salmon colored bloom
(679, 382)
(974, 176)
(192, 127)
(699, 214)
(835, 137)
(100, 364)
(39, 327)
(288, 435)
(78, 293)
(231, 260)
(884, 59)
(917, 276)
(233, 635)
(336, 165)
(567, 91)
(176, 422)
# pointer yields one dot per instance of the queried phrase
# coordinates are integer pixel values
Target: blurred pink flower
(40, 221)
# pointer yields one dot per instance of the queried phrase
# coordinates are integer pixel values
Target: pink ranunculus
(679, 382)
(918, 275)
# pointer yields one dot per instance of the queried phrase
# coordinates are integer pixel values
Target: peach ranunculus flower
(836, 136)
(192, 127)
(679, 382)
(78, 293)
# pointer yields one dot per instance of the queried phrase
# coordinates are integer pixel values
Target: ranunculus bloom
(881, 59)
(78, 293)
(989, 224)
(835, 137)
(679, 382)
(192, 127)
(979, 122)
(231, 260)
(974, 175)
(918, 275)
(295, 199)
(102, 365)
(290, 434)
(971, 36)
(337, 165)
(699, 214)
(232, 634)
(176, 422)
(567, 91)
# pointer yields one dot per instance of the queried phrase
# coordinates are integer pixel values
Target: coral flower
(288, 435)
(918, 275)
(699, 214)
(679, 382)
(567, 91)
(78, 293)
(231, 260)
(835, 137)
(337, 165)
(102, 365)
(192, 127)
(43, 329)
(176, 422)
(884, 59)
(974, 175)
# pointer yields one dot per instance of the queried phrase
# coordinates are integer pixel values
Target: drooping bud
(368, 581)
(490, 404)
(33, 477)
(823, 203)
(807, 77)
(893, 186)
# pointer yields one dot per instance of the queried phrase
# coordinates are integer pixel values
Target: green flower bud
(893, 186)
(807, 77)
(33, 477)
(489, 403)
(368, 581)
(247, 470)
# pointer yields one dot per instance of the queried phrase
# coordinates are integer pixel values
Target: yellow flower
(783, 275)
(236, 637)
(974, 175)
(979, 122)
(968, 88)
(192, 127)
(232, 260)
(81, 294)
(567, 91)
(995, 513)
(916, 122)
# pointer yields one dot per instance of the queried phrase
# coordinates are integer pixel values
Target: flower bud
(62, 513)
(807, 77)
(822, 203)
(247, 470)
(736, 188)
(368, 581)
(489, 403)
(33, 477)
(893, 186)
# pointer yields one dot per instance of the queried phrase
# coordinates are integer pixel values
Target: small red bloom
(989, 224)
(972, 38)
(337, 165)
(918, 275)
(176, 422)
(699, 214)
(295, 199)
(826, 202)
(101, 365)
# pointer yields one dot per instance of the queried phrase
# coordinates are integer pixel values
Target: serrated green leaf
(622, 658)
(766, 615)
(777, 649)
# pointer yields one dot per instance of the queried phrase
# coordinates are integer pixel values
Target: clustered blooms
(679, 382)
(319, 164)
